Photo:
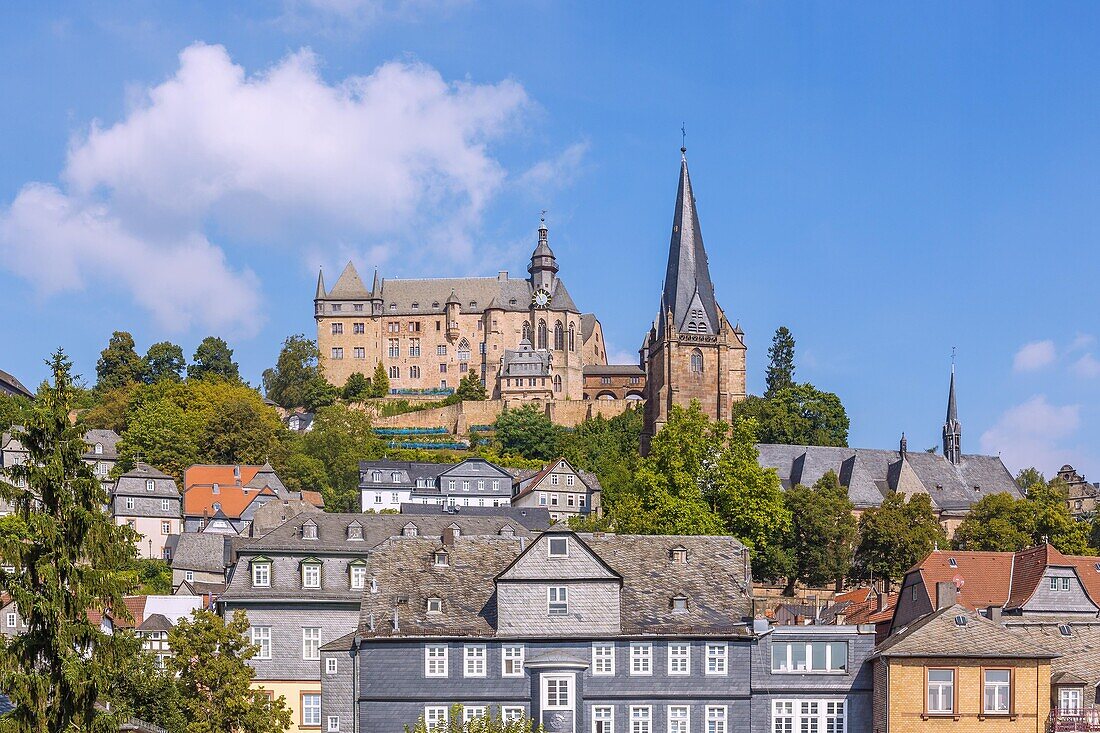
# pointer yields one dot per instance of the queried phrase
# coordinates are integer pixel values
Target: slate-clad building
(474, 482)
(148, 501)
(301, 586)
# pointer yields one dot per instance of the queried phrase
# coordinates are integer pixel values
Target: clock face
(541, 298)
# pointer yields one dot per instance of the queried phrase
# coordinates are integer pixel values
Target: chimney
(760, 625)
(448, 537)
(946, 594)
(502, 275)
(839, 619)
(993, 613)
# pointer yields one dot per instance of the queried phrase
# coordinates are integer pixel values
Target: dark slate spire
(320, 285)
(544, 266)
(687, 278)
(952, 428)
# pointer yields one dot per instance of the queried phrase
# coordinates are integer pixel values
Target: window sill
(833, 672)
(940, 716)
(998, 716)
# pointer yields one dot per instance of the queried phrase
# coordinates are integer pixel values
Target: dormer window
(216, 488)
(953, 562)
(236, 472)
(376, 477)
(409, 530)
(435, 304)
(1065, 630)
(558, 547)
(507, 531)
(150, 485)
(355, 532)
(435, 605)
(261, 572)
(217, 507)
(456, 530)
(99, 449)
(357, 574)
(679, 603)
(309, 530)
(678, 555)
(395, 477)
(440, 559)
(311, 573)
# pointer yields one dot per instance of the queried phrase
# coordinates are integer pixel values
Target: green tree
(300, 472)
(340, 438)
(241, 431)
(457, 723)
(64, 566)
(112, 408)
(163, 434)
(379, 383)
(13, 410)
(527, 431)
(297, 379)
(823, 532)
(164, 360)
(139, 688)
(149, 576)
(210, 660)
(797, 415)
(998, 523)
(470, 389)
(356, 388)
(780, 373)
(1053, 522)
(213, 358)
(119, 364)
(1028, 477)
(897, 535)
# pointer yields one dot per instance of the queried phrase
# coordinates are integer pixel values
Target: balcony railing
(1074, 719)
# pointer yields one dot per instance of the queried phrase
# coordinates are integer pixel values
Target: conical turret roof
(349, 285)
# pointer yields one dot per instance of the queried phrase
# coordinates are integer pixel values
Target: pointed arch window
(526, 331)
(559, 337)
(557, 383)
(542, 334)
(697, 361)
(463, 350)
(572, 337)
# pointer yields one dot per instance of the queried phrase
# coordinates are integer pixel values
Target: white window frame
(189, 576)
(129, 502)
(510, 713)
(436, 717)
(603, 714)
(803, 714)
(469, 712)
(570, 681)
(333, 724)
(997, 687)
(311, 575)
(436, 655)
(809, 669)
(641, 659)
(357, 577)
(683, 715)
(599, 658)
(940, 686)
(679, 659)
(641, 719)
(717, 719)
(1069, 700)
(309, 722)
(514, 653)
(257, 575)
(332, 665)
(12, 620)
(557, 600)
(260, 636)
(311, 643)
(165, 505)
(475, 660)
(562, 541)
(718, 653)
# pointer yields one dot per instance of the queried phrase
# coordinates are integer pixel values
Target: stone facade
(692, 352)
(614, 382)
(430, 333)
(1082, 496)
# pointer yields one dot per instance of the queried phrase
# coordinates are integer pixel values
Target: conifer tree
(780, 362)
(65, 561)
(379, 383)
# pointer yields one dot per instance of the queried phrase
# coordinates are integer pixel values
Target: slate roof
(204, 552)
(525, 361)
(588, 326)
(8, 383)
(132, 483)
(939, 635)
(715, 579)
(628, 370)
(1079, 660)
(107, 438)
(155, 622)
(871, 474)
(530, 482)
(533, 518)
(266, 477)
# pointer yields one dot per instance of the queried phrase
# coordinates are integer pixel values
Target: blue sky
(888, 181)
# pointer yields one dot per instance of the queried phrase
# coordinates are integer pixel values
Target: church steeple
(689, 292)
(952, 428)
(544, 266)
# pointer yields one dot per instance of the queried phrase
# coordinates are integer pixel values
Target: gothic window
(697, 361)
(395, 372)
(463, 350)
(572, 338)
(542, 334)
(526, 331)
(557, 383)
(559, 337)
(697, 321)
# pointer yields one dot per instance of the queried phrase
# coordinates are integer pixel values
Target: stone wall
(459, 418)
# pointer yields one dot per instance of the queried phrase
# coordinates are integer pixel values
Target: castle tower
(691, 352)
(952, 428)
(544, 266)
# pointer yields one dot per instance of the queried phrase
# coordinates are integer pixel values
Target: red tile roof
(314, 498)
(232, 500)
(202, 475)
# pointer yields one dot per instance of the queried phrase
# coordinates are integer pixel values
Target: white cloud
(355, 15)
(380, 160)
(1033, 434)
(1034, 356)
(1087, 366)
(554, 173)
(1081, 342)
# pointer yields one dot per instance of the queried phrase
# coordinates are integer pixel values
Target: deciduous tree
(297, 379)
(896, 535)
(797, 415)
(823, 532)
(527, 431)
(213, 358)
(119, 364)
(164, 360)
(469, 389)
(356, 388)
(341, 437)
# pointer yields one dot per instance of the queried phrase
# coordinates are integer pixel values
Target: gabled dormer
(558, 586)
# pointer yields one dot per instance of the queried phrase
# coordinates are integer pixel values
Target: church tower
(692, 352)
(952, 428)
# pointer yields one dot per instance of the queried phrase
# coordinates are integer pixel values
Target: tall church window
(463, 350)
(697, 361)
(542, 334)
(572, 338)
(559, 337)
(557, 383)
(526, 331)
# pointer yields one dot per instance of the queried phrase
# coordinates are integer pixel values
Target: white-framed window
(716, 719)
(474, 655)
(332, 665)
(557, 547)
(557, 692)
(510, 713)
(311, 709)
(334, 724)
(472, 712)
(311, 575)
(802, 716)
(603, 719)
(813, 657)
(165, 505)
(1069, 701)
(129, 502)
(12, 621)
(435, 660)
(569, 480)
(261, 638)
(553, 479)
(941, 691)
(641, 719)
(189, 576)
(679, 659)
(261, 575)
(641, 658)
(679, 719)
(542, 498)
(717, 661)
(435, 717)
(435, 604)
(150, 485)
(311, 645)
(997, 691)
(358, 577)
(166, 528)
(603, 658)
(511, 660)
(558, 600)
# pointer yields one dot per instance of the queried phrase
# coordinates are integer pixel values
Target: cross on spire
(683, 138)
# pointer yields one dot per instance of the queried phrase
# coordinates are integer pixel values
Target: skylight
(960, 620)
